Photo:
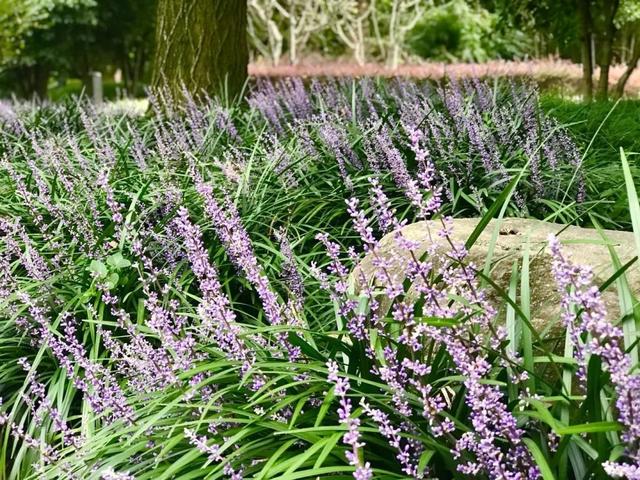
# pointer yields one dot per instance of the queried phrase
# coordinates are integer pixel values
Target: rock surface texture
(583, 246)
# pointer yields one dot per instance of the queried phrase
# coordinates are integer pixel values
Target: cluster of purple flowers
(100, 387)
(43, 409)
(48, 453)
(218, 321)
(447, 289)
(137, 262)
(213, 453)
(229, 229)
(468, 131)
(352, 437)
(593, 334)
(154, 355)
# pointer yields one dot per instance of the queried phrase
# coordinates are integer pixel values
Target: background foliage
(44, 42)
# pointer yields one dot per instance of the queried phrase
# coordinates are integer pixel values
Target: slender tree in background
(628, 22)
(631, 66)
(606, 33)
(586, 31)
(201, 44)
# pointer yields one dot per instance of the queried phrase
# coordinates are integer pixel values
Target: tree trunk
(293, 54)
(139, 68)
(606, 49)
(125, 64)
(42, 82)
(33, 81)
(587, 65)
(201, 45)
(631, 66)
(602, 92)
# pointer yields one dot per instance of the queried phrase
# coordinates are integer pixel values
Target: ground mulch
(556, 73)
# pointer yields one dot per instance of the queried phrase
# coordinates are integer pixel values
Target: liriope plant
(168, 310)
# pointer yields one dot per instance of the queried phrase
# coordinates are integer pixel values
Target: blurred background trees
(50, 45)
(123, 39)
(46, 42)
(41, 38)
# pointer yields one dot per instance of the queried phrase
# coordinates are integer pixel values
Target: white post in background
(96, 86)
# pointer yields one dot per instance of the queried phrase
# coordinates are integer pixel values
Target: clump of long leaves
(475, 133)
(168, 310)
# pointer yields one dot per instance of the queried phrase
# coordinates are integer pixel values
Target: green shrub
(458, 31)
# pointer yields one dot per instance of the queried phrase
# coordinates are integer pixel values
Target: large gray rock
(583, 245)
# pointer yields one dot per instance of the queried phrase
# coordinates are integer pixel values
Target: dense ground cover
(602, 128)
(616, 123)
(175, 299)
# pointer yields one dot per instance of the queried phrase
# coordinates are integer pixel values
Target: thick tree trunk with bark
(201, 44)
(586, 30)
